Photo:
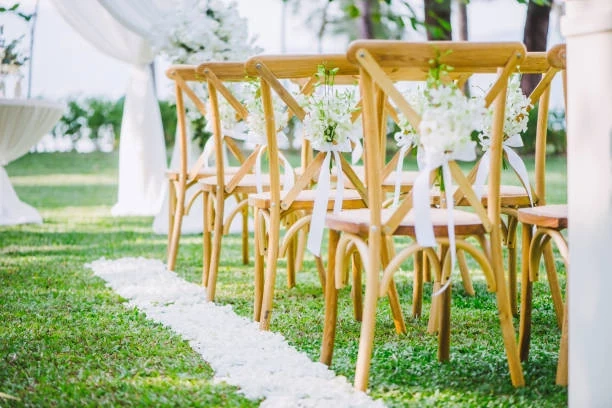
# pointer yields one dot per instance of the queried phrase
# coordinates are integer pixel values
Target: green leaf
(352, 11)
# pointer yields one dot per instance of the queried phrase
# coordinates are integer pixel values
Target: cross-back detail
(505, 58)
(533, 63)
(216, 75)
(182, 75)
(302, 69)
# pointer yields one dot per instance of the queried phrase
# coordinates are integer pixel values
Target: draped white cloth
(142, 159)
(22, 124)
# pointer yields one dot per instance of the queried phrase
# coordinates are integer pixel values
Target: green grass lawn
(67, 340)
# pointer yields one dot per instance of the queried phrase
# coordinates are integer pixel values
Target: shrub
(556, 141)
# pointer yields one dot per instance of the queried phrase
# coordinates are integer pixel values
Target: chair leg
(270, 274)
(444, 311)
(206, 239)
(433, 325)
(171, 210)
(512, 257)
(562, 365)
(356, 290)
(301, 248)
(553, 282)
(526, 295)
(505, 314)
(387, 253)
(291, 255)
(466, 279)
(417, 285)
(366, 338)
(217, 238)
(245, 235)
(331, 303)
(177, 225)
(259, 226)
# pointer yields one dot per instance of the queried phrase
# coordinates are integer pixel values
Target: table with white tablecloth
(23, 122)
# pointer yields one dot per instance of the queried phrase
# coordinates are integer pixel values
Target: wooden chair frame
(281, 207)
(549, 222)
(381, 62)
(217, 189)
(184, 178)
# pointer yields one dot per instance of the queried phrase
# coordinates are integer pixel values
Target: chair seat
(548, 216)
(358, 222)
(203, 173)
(510, 196)
(248, 183)
(305, 199)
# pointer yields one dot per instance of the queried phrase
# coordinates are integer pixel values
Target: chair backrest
(555, 58)
(382, 63)
(272, 70)
(219, 77)
(185, 77)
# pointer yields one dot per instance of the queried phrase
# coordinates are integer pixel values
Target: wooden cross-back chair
(513, 197)
(183, 178)
(223, 185)
(368, 230)
(294, 206)
(542, 225)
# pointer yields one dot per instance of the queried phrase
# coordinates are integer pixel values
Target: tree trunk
(462, 32)
(535, 37)
(462, 20)
(437, 12)
(366, 29)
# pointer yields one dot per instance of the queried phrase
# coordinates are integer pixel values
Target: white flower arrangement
(448, 120)
(328, 125)
(227, 114)
(204, 30)
(516, 114)
(256, 122)
(516, 118)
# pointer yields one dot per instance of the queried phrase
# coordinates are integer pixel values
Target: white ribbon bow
(237, 133)
(405, 143)
(515, 161)
(317, 223)
(421, 198)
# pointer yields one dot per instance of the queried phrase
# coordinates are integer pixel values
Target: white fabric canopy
(22, 124)
(142, 159)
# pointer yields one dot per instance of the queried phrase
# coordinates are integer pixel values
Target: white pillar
(587, 26)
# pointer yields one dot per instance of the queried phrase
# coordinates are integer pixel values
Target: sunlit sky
(65, 65)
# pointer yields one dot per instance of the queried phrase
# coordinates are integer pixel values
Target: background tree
(535, 36)
(438, 19)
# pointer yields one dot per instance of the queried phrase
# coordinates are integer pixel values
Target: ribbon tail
(357, 152)
(398, 171)
(421, 207)
(258, 181)
(208, 150)
(339, 183)
(319, 209)
(451, 225)
(288, 175)
(482, 174)
(518, 165)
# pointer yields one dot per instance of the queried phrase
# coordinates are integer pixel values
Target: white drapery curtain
(142, 157)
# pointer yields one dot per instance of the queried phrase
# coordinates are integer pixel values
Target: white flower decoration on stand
(516, 118)
(329, 128)
(448, 120)
(201, 31)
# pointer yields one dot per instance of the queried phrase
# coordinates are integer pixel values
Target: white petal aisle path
(260, 363)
